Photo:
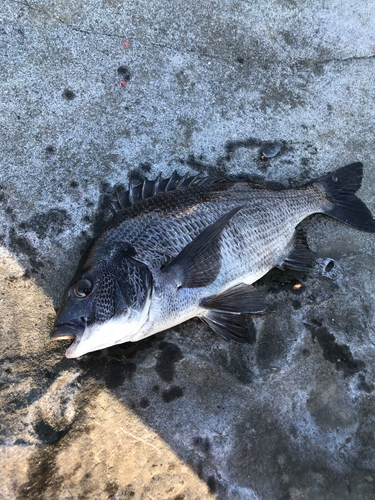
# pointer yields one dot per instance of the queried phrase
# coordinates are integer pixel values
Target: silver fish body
(193, 247)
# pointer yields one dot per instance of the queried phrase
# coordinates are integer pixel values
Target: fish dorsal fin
(300, 258)
(146, 189)
(199, 263)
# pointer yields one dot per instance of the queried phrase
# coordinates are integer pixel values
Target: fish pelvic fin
(228, 326)
(240, 298)
(339, 188)
(225, 311)
(199, 263)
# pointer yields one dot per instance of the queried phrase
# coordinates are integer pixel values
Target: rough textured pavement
(206, 86)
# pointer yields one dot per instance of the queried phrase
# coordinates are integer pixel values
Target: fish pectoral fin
(240, 298)
(228, 326)
(300, 258)
(199, 263)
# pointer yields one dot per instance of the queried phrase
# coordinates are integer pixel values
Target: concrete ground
(96, 93)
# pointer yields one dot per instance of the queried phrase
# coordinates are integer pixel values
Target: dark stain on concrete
(263, 451)
(296, 304)
(277, 281)
(9, 211)
(338, 354)
(41, 475)
(211, 483)
(47, 434)
(271, 344)
(111, 488)
(33, 395)
(145, 167)
(365, 434)
(53, 222)
(288, 37)
(202, 444)
(220, 170)
(199, 166)
(22, 245)
(249, 143)
(171, 394)
(135, 177)
(330, 405)
(235, 362)
(111, 371)
(144, 403)
(363, 385)
(127, 493)
(102, 214)
(115, 373)
(170, 354)
(21, 442)
(130, 350)
(68, 94)
(124, 72)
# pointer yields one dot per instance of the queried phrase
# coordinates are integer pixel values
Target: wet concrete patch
(53, 222)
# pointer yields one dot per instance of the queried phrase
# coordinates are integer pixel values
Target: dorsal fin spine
(195, 179)
(182, 180)
(131, 194)
(172, 181)
(144, 188)
(156, 185)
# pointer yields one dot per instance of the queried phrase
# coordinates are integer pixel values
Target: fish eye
(82, 288)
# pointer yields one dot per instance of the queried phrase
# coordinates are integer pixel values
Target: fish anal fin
(199, 263)
(240, 298)
(228, 326)
(300, 257)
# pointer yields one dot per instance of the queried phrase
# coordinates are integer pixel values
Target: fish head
(106, 303)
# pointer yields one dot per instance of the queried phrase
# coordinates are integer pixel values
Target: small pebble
(270, 151)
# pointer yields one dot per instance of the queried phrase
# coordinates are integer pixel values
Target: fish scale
(193, 246)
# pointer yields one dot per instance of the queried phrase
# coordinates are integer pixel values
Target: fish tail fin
(339, 188)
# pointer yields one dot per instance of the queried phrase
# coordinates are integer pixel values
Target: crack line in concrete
(200, 54)
(139, 439)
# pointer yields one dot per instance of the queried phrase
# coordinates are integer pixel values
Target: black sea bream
(193, 246)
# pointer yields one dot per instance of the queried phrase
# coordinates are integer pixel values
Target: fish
(193, 246)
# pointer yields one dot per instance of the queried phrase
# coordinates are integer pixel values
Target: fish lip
(68, 329)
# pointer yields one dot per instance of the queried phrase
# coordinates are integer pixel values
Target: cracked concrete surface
(184, 415)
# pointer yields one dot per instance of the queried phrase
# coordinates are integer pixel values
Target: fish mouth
(68, 330)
